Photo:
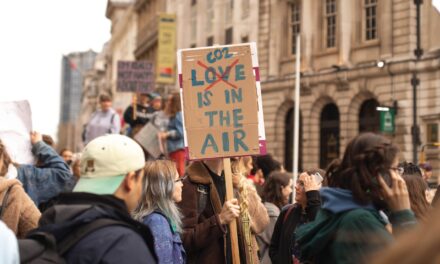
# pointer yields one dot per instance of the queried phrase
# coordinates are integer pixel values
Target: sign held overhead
(221, 101)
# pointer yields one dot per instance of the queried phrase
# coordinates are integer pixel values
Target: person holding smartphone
(282, 247)
(349, 228)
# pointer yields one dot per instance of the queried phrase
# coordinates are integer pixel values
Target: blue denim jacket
(167, 244)
(175, 132)
(45, 182)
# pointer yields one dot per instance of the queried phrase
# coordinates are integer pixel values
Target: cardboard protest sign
(221, 99)
(149, 140)
(15, 126)
(135, 76)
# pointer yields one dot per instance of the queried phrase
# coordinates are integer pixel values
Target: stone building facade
(342, 44)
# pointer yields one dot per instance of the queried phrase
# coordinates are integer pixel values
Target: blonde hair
(157, 192)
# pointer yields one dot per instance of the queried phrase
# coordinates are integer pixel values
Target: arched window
(329, 138)
(369, 118)
(288, 146)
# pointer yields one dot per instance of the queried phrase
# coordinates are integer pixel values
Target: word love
(211, 74)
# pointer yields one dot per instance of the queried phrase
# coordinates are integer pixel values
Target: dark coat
(203, 236)
(283, 237)
(110, 244)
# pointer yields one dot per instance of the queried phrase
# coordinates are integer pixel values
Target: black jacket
(283, 237)
(110, 244)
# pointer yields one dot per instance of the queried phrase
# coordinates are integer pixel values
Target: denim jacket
(167, 243)
(175, 133)
(45, 182)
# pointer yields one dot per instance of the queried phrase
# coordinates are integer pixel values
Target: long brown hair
(272, 191)
(366, 157)
(173, 105)
(5, 159)
(417, 195)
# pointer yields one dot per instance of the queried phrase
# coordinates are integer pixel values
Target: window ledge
(367, 44)
(327, 51)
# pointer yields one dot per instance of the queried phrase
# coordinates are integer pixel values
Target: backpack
(41, 247)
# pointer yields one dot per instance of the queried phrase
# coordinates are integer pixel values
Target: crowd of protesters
(113, 203)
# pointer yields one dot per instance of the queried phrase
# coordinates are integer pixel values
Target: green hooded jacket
(346, 232)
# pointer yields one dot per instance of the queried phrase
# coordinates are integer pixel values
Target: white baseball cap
(105, 162)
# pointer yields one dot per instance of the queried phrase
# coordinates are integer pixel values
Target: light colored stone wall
(348, 89)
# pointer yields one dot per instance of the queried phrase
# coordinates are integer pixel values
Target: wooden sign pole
(233, 225)
(134, 106)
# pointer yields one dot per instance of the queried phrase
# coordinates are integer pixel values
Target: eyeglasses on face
(180, 179)
(398, 170)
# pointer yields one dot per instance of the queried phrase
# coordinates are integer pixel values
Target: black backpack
(42, 247)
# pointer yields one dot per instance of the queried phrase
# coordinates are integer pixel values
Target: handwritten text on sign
(220, 102)
(135, 76)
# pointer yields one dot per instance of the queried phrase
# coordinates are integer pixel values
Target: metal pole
(296, 115)
(418, 52)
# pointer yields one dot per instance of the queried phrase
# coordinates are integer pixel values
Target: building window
(229, 7)
(294, 24)
(370, 19)
(228, 36)
(193, 45)
(193, 23)
(245, 39)
(245, 8)
(193, 2)
(330, 23)
(209, 16)
(210, 41)
(432, 133)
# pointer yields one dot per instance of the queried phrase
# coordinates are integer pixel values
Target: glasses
(180, 179)
(398, 170)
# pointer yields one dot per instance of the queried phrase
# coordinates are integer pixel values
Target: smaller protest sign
(135, 76)
(149, 139)
(15, 128)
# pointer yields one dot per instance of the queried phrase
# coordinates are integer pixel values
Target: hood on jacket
(71, 210)
(338, 200)
(272, 209)
(314, 237)
(6, 183)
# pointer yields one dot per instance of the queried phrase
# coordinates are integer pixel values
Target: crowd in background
(116, 203)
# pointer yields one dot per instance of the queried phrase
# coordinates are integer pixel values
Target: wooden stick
(233, 225)
(134, 106)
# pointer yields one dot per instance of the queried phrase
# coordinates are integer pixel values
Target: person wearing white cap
(110, 186)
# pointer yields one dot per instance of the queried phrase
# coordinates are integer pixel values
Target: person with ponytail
(253, 217)
(349, 227)
(162, 189)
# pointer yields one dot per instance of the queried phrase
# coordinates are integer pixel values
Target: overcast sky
(34, 36)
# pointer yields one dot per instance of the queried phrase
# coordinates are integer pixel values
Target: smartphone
(318, 178)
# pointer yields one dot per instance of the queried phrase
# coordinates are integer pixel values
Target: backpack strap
(5, 201)
(65, 244)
